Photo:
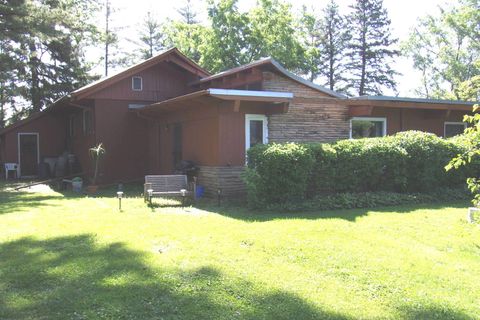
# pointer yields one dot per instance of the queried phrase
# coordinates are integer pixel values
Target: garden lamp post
(150, 195)
(119, 196)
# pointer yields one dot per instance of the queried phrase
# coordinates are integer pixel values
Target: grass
(73, 257)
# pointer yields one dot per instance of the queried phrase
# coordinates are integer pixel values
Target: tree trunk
(35, 81)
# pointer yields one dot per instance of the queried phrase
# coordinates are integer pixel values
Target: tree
(370, 48)
(226, 45)
(186, 33)
(444, 48)
(237, 38)
(325, 41)
(43, 46)
(187, 13)
(151, 37)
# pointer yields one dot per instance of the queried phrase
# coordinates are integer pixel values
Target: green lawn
(66, 257)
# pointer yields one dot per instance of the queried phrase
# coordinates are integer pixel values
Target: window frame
(133, 83)
(380, 119)
(256, 117)
(452, 123)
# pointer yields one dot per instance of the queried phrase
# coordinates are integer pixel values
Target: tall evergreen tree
(42, 45)
(151, 37)
(333, 43)
(370, 49)
(187, 13)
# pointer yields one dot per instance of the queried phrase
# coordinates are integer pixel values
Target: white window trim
(141, 83)
(260, 117)
(384, 120)
(19, 167)
(454, 123)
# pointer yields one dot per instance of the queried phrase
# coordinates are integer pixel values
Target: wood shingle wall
(312, 116)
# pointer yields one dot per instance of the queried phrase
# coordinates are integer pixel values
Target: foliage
(444, 48)
(96, 153)
(369, 165)
(42, 50)
(370, 48)
(371, 199)
(151, 37)
(407, 162)
(280, 173)
(325, 39)
(470, 155)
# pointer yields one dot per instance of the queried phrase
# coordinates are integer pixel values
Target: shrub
(280, 173)
(323, 176)
(369, 165)
(286, 174)
(427, 157)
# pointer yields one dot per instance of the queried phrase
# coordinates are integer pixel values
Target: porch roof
(213, 96)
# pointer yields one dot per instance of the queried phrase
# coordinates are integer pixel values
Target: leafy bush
(427, 157)
(350, 200)
(280, 173)
(369, 165)
(286, 174)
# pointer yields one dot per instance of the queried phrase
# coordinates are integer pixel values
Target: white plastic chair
(11, 167)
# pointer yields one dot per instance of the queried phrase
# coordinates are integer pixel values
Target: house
(167, 109)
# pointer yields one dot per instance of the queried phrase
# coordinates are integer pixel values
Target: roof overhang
(232, 76)
(221, 97)
(363, 106)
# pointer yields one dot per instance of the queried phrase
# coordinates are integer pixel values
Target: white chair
(11, 167)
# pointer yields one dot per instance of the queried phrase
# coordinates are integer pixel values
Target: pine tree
(334, 39)
(151, 37)
(42, 47)
(187, 13)
(370, 48)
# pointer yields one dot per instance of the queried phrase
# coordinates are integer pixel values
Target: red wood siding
(124, 136)
(160, 82)
(423, 120)
(199, 138)
(51, 129)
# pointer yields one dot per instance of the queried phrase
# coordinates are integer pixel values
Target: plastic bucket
(200, 191)
(77, 185)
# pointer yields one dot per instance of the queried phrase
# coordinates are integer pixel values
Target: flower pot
(92, 189)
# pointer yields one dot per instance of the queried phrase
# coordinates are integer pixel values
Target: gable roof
(277, 67)
(173, 54)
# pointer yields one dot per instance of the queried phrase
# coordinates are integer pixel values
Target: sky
(129, 14)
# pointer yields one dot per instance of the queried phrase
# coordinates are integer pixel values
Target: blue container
(200, 191)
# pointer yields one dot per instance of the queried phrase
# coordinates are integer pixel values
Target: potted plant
(96, 153)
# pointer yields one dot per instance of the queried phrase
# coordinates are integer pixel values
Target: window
(367, 127)
(137, 84)
(453, 128)
(256, 130)
(87, 121)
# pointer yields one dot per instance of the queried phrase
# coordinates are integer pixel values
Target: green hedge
(280, 174)
(407, 162)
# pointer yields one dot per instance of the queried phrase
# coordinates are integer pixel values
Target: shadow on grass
(73, 277)
(242, 213)
(18, 201)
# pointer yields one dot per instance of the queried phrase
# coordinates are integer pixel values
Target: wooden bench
(168, 186)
